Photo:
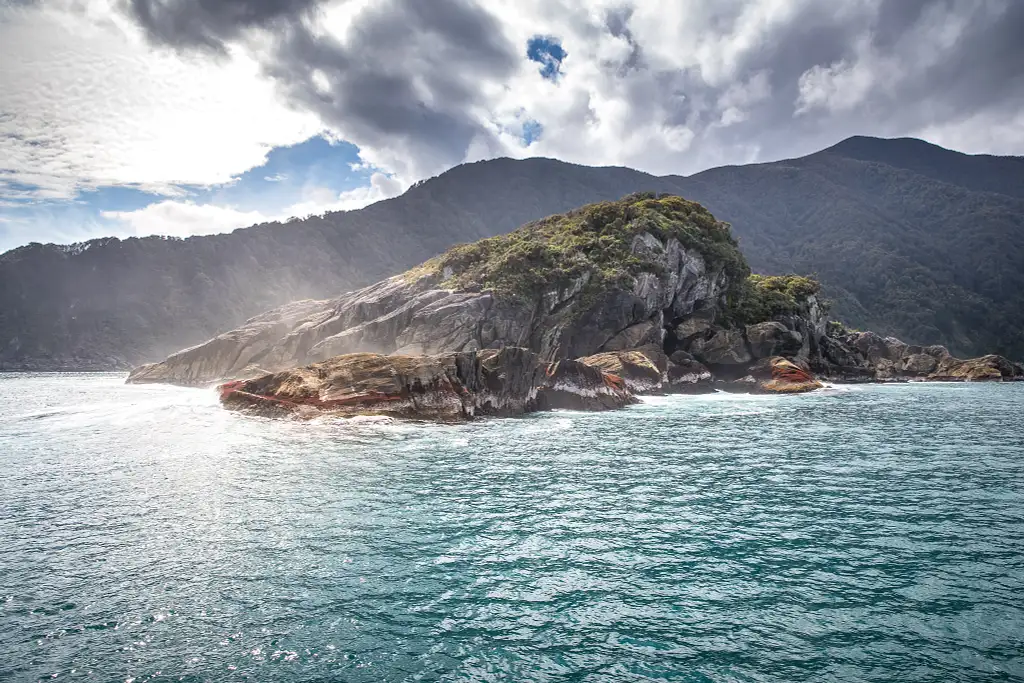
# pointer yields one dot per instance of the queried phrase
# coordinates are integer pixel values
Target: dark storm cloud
(406, 76)
(406, 79)
(210, 23)
(617, 22)
(914, 83)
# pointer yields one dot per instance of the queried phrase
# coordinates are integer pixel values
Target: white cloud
(319, 200)
(840, 86)
(86, 105)
(981, 131)
(184, 218)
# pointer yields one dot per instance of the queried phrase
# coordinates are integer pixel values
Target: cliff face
(454, 386)
(610, 276)
(649, 290)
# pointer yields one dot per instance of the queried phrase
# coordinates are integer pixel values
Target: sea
(858, 533)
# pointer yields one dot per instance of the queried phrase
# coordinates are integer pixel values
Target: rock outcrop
(607, 277)
(639, 374)
(582, 310)
(454, 386)
(867, 357)
(776, 375)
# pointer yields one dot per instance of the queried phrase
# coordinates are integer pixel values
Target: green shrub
(596, 238)
(763, 297)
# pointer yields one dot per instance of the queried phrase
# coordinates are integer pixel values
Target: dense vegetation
(596, 238)
(902, 235)
(762, 297)
(906, 238)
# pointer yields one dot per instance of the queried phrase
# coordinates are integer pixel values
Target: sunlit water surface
(868, 533)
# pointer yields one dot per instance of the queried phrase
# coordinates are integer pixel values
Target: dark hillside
(907, 238)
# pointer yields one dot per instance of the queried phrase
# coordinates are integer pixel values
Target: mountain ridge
(911, 252)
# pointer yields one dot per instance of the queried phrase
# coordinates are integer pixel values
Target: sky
(184, 117)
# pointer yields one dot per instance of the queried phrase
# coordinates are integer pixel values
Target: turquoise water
(869, 533)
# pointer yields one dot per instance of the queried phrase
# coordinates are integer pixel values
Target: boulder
(655, 354)
(775, 375)
(875, 348)
(573, 385)
(697, 324)
(789, 378)
(681, 357)
(918, 364)
(895, 349)
(773, 339)
(937, 351)
(725, 347)
(687, 376)
(634, 367)
(840, 358)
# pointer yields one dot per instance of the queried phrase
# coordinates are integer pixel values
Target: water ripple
(859, 534)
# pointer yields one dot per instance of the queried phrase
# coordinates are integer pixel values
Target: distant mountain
(908, 238)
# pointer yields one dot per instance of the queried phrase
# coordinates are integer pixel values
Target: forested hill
(908, 238)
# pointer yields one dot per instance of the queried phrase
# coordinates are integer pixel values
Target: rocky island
(648, 294)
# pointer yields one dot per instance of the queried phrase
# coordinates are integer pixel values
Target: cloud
(184, 218)
(421, 86)
(211, 25)
(86, 106)
(401, 81)
(320, 200)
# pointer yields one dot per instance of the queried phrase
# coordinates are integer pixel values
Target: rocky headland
(584, 310)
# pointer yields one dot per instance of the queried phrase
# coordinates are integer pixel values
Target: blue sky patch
(288, 174)
(532, 131)
(549, 53)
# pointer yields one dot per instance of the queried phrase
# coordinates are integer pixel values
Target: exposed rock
(454, 386)
(775, 376)
(681, 357)
(635, 336)
(864, 356)
(447, 306)
(635, 369)
(726, 347)
(656, 355)
(789, 378)
(919, 364)
(233, 354)
(687, 376)
(773, 339)
(985, 368)
(875, 348)
(843, 361)
(574, 385)
(611, 285)
(698, 324)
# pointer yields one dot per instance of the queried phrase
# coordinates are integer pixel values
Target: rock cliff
(650, 292)
(609, 276)
(453, 386)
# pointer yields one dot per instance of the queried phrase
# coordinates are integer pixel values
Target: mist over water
(870, 533)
